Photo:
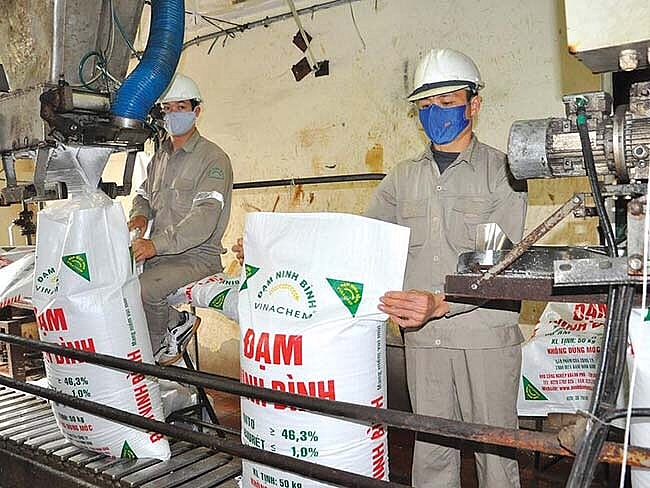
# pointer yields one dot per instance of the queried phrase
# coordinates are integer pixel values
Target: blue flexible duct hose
(149, 79)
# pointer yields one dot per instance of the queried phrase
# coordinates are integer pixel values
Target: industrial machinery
(611, 146)
(66, 105)
(70, 114)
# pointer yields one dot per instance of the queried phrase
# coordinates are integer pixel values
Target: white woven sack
(86, 296)
(218, 292)
(560, 360)
(16, 275)
(639, 353)
(310, 325)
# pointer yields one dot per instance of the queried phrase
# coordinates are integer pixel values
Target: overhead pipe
(58, 40)
(265, 22)
(146, 83)
(310, 180)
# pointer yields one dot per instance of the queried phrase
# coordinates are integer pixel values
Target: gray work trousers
(162, 276)
(471, 385)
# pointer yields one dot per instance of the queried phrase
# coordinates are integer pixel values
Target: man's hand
(143, 249)
(138, 222)
(238, 249)
(413, 308)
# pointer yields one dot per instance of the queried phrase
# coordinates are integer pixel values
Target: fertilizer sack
(16, 275)
(309, 324)
(560, 361)
(218, 292)
(639, 358)
(86, 296)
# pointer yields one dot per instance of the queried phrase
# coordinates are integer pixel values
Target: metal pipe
(11, 233)
(305, 468)
(498, 436)
(58, 41)
(265, 22)
(603, 399)
(311, 180)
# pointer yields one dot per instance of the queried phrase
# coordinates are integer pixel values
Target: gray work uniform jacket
(442, 212)
(187, 194)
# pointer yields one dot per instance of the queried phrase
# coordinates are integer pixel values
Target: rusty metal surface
(529, 440)
(535, 235)
(459, 287)
(32, 448)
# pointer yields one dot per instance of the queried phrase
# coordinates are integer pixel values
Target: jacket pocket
(183, 189)
(413, 214)
(464, 215)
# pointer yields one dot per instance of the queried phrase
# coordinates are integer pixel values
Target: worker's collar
(189, 145)
(464, 157)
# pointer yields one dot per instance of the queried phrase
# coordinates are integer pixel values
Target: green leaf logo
(349, 292)
(531, 392)
(647, 315)
(127, 452)
(77, 263)
(250, 271)
(218, 301)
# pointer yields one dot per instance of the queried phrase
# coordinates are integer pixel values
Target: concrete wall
(356, 119)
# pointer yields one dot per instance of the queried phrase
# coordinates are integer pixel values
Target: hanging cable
(356, 27)
(590, 168)
(263, 22)
(296, 17)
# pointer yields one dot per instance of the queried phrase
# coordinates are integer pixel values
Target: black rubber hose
(590, 168)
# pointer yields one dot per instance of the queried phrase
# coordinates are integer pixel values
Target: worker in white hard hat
(184, 203)
(463, 359)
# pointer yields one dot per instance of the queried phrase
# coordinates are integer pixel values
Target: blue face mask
(179, 123)
(443, 125)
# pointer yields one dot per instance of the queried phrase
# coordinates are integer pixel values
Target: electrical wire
(354, 21)
(588, 156)
(644, 295)
(263, 22)
(126, 39)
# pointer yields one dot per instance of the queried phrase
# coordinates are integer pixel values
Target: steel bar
(528, 440)
(503, 287)
(535, 235)
(311, 470)
(311, 180)
(605, 393)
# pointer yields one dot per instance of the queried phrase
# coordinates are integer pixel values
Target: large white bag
(310, 325)
(639, 353)
(87, 296)
(560, 361)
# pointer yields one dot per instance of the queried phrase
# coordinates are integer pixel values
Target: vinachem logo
(286, 293)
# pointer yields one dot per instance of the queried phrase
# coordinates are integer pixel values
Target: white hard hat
(443, 71)
(181, 88)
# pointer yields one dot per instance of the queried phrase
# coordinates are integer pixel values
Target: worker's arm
(140, 208)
